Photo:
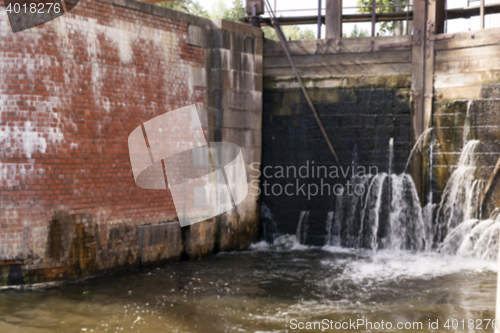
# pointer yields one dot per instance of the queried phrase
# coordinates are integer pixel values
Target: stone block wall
(466, 107)
(71, 91)
(237, 68)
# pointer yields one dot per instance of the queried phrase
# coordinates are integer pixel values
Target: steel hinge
(432, 37)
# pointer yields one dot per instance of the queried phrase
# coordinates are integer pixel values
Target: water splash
(473, 238)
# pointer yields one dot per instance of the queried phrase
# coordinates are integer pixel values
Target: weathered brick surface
(71, 91)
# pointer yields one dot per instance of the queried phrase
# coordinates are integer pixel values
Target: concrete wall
(362, 95)
(71, 91)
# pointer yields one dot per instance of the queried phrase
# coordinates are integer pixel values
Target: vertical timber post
(440, 15)
(417, 88)
(319, 19)
(333, 19)
(481, 15)
(374, 16)
(434, 25)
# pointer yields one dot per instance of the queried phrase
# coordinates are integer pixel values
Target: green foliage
(186, 6)
(386, 28)
(291, 32)
(356, 32)
(221, 11)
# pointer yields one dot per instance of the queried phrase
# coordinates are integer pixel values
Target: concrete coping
(186, 18)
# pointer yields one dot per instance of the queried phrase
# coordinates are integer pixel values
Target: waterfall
(349, 210)
(420, 138)
(391, 154)
(407, 231)
(458, 202)
(387, 216)
(368, 232)
(329, 229)
(269, 226)
(302, 227)
(465, 134)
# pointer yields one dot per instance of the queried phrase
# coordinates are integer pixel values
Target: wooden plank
(333, 19)
(348, 45)
(481, 52)
(464, 39)
(351, 70)
(469, 92)
(466, 66)
(340, 59)
(465, 79)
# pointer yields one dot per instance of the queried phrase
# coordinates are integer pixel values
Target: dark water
(261, 290)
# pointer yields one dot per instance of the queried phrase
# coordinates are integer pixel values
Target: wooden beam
(374, 16)
(347, 18)
(341, 59)
(440, 16)
(333, 19)
(472, 11)
(481, 14)
(343, 70)
(418, 92)
(455, 13)
(325, 46)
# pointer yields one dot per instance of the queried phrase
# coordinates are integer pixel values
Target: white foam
(394, 265)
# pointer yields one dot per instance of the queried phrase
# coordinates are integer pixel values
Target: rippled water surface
(261, 290)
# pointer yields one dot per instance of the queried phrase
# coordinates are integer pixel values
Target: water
(420, 138)
(268, 224)
(261, 290)
(331, 238)
(388, 216)
(302, 227)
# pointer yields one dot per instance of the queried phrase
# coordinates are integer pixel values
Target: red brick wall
(71, 91)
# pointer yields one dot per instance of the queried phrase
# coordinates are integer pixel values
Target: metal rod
(281, 36)
(374, 18)
(407, 18)
(445, 16)
(319, 19)
(481, 14)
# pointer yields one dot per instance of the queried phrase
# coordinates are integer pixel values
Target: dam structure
(413, 119)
